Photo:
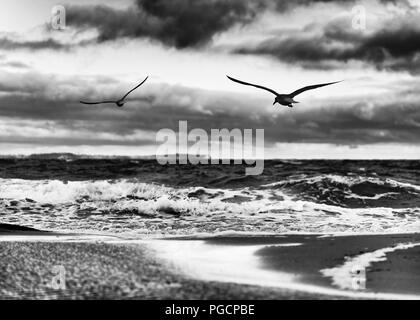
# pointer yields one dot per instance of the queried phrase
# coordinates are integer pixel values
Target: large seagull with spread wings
(119, 102)
(284, 99)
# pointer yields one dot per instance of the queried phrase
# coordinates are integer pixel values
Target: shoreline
(101, 270)
(222, 267)
(295, 262)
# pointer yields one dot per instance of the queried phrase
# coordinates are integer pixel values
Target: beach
(112, 268)
(98, 270)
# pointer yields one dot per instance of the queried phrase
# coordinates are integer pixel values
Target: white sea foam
(56, 191)
(221, 263)
(375, 197)
(343, 276)
(345, 180)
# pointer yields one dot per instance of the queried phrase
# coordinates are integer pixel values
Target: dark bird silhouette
(119, 102)
(284, 99)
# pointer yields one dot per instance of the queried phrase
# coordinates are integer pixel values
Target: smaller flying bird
(284, 99)
(119, 102)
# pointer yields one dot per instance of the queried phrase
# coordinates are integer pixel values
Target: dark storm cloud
(357, 123)
(394, 47)
(178, 23)
(187, 23)
(287, 5)
(354, 122)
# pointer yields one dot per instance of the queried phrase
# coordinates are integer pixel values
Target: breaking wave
(320, 204)
(352, 191)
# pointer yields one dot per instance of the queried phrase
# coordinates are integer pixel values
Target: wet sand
(320, 252)
(304, 258)
(399, 273)
(101, 269)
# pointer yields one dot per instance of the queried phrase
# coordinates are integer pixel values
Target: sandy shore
(98, 269)
(109, 271)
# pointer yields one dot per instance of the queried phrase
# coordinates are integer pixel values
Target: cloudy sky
(187, 47)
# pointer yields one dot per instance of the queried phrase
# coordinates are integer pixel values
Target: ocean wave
(57, 191)
(350, 180)
(132, 206)
(351, 191)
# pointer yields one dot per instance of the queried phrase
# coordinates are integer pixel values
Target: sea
(137, 198)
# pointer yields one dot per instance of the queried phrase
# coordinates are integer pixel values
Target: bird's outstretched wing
(295, 93)
(134, 88)
(253, 85)
(99, 102)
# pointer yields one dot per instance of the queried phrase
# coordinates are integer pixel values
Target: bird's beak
(274, 102)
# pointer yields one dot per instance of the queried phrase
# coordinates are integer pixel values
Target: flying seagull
(119, 102)
(284, 99)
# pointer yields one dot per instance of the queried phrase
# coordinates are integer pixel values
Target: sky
(187, 47)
